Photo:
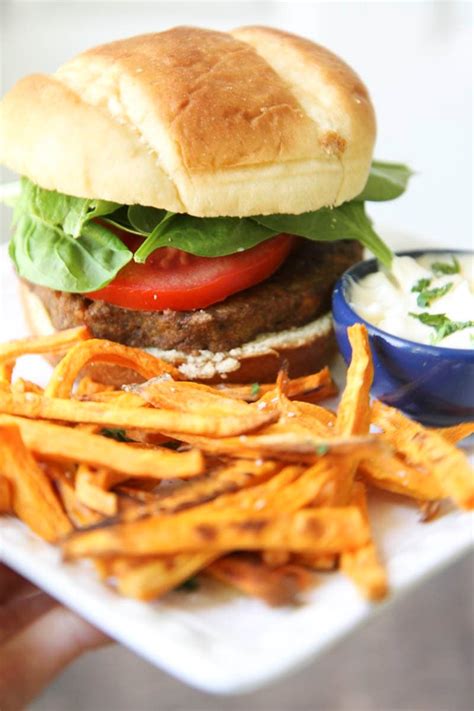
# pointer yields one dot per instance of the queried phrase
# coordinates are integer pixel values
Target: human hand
(38, 638)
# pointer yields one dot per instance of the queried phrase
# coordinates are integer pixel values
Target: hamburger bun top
(254, 121)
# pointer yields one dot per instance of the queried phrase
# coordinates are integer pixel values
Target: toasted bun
(304, 351)
(255, 121)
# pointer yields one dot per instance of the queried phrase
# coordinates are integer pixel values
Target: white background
(415, 58)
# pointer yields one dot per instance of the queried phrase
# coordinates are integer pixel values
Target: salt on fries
(264, 485)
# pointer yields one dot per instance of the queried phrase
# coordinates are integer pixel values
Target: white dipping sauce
(387, 298)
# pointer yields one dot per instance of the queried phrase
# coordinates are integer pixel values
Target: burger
(196, 194)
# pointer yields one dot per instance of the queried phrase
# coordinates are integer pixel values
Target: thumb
(31, 659)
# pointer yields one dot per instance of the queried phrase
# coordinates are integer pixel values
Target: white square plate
(214, 639)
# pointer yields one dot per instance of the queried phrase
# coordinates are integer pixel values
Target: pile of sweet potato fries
(255, 485)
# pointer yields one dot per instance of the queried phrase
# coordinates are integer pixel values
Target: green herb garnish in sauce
(427, 296)
(440, 268)
(443, 325)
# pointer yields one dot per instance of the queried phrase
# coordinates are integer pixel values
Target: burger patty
(297, 293)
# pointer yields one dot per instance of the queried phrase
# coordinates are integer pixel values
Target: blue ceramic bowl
(431, 384)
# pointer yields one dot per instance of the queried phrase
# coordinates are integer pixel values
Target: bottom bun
(302, 350)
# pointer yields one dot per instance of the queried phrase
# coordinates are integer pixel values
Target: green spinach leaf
(44, 254)
(348, 221)
(57, 244)
(70, 213)
(204, 236)
(119, 219)
(386, 181)
(146, 219)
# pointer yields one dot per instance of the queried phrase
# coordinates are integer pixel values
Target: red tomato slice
(172, 279)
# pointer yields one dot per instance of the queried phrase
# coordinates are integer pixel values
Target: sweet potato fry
(325, 530)
(311, 417)
(87, 386)
(65, 444)
(316, 487)
(392, 473)
(80, 515)
(249, 497)
(26, 386)
(312, 388)
(89, 429)
(275, 559)
(54, 343)
(91, 495)
(365, 570)
(278, 478)
(100, 351)
(362, 565)
(135, 493)
(6, 374)
(285, 444)
(154, 578)
(33, 497)
(191, 398)
(353, 414)
(234, 477)
(107, 479)
(429, 510)
(114, 397)
(297, 493)
(247, 573)
(35, 406)
(456, 433)
(6, 496)
(103, 568)
(322, 562)
(425, 448)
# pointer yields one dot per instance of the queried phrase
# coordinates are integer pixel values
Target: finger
(22, 611)
(31, 659)
(12, 584)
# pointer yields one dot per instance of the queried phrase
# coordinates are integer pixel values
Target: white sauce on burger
(206, 364)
